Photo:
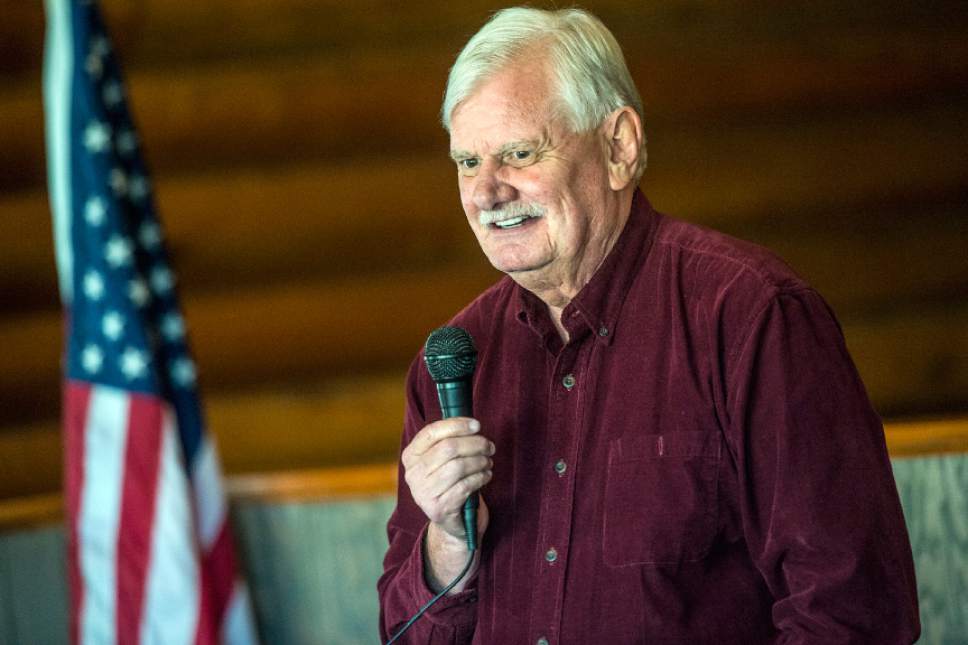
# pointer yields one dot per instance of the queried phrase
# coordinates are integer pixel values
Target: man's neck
(556, 290)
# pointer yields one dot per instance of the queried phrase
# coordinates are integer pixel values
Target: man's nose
(491, 187)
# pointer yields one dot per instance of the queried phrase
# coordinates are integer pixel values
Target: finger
(434, 432)
(453, 472)
(454, 448)
(453, 499)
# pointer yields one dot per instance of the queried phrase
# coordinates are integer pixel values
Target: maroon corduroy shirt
(698, 464)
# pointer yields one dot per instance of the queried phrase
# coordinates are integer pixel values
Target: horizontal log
(277, 402)
(309, 331)
(156, 33)
(277, 335)
(914, 360)
(905, 439)
(786, 183)
(315, 107)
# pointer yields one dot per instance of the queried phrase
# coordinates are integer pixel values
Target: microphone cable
(450, 356)
(443, 592)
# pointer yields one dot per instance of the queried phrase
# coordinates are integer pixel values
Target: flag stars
(118, 181)
(173, 327)
(112, 325)
(97, 136)
(93, 285)
(113, 95)
(183, 372)
(138, 292)
(162, 280)
(134, 363)
(138, 187)
(93, 65)
(95, 210)
(150, 235)
(92, 358)
(127, 141)
(118, 251)
(100, 46)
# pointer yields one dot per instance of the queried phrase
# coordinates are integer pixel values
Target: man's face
(543, 191)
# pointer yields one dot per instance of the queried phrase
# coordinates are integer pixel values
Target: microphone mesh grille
(450, 354)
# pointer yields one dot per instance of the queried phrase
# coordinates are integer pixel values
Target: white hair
(592, 79)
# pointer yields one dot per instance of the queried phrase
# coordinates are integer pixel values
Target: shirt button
(561, 466)
(541, 641)
(568, 381)
(603, 331)
(551, 555)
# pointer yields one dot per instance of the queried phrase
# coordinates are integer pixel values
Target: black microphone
(451, 358)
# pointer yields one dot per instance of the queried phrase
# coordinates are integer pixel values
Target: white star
(113, 95)
(94, 211)
(173, 327)
(93, 285)
(118, 251)
(100, 46)
(118, 181)
(162, 279)
(150, 235)
(92, 358)
(97, 136)
(183, 372)
(94, 66)
(134, 363)
(127, 141)
(138, 187)
(138, 292)
(112, 325)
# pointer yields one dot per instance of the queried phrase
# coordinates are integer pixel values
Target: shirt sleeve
(820, 509)
(403, 588)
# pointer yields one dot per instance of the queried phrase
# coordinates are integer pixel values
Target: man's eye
(468, 164)
(521, 155)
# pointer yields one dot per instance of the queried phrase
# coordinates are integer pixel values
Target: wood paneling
(802, 187)
(314, 223)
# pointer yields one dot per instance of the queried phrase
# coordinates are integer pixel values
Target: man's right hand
(444, 463)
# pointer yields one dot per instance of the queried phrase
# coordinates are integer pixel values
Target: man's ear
(623, 142)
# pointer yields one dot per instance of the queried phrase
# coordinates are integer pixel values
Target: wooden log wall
(313, 219)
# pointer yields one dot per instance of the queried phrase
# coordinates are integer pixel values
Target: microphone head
(450, 354)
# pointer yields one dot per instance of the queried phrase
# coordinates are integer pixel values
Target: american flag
(150, 553)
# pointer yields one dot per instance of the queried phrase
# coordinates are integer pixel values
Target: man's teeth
(510, 223)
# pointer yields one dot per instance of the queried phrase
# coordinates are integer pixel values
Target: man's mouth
(511, 223)
(512, 216)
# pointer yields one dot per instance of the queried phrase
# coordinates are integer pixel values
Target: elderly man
(671, 442)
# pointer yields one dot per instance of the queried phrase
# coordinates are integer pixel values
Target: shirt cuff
(450, 610)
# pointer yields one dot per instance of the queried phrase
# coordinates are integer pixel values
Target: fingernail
(491, 447)
(474, 425)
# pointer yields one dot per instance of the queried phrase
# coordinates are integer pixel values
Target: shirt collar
(596, 308)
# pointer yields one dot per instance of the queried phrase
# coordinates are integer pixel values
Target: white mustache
(510, 211)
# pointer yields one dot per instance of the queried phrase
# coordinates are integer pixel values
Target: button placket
(556, 515)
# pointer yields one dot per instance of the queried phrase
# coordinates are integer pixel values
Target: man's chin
(519, 269)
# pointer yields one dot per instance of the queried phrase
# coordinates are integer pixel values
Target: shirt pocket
(660, 498)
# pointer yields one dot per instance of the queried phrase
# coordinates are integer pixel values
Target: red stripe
(218, 573)
(141, 464)
(77, 396)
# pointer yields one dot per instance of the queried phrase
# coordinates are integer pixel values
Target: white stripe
(58, 71)
(105, 438)
(238, 627)
(209, 496)
(171, 608)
